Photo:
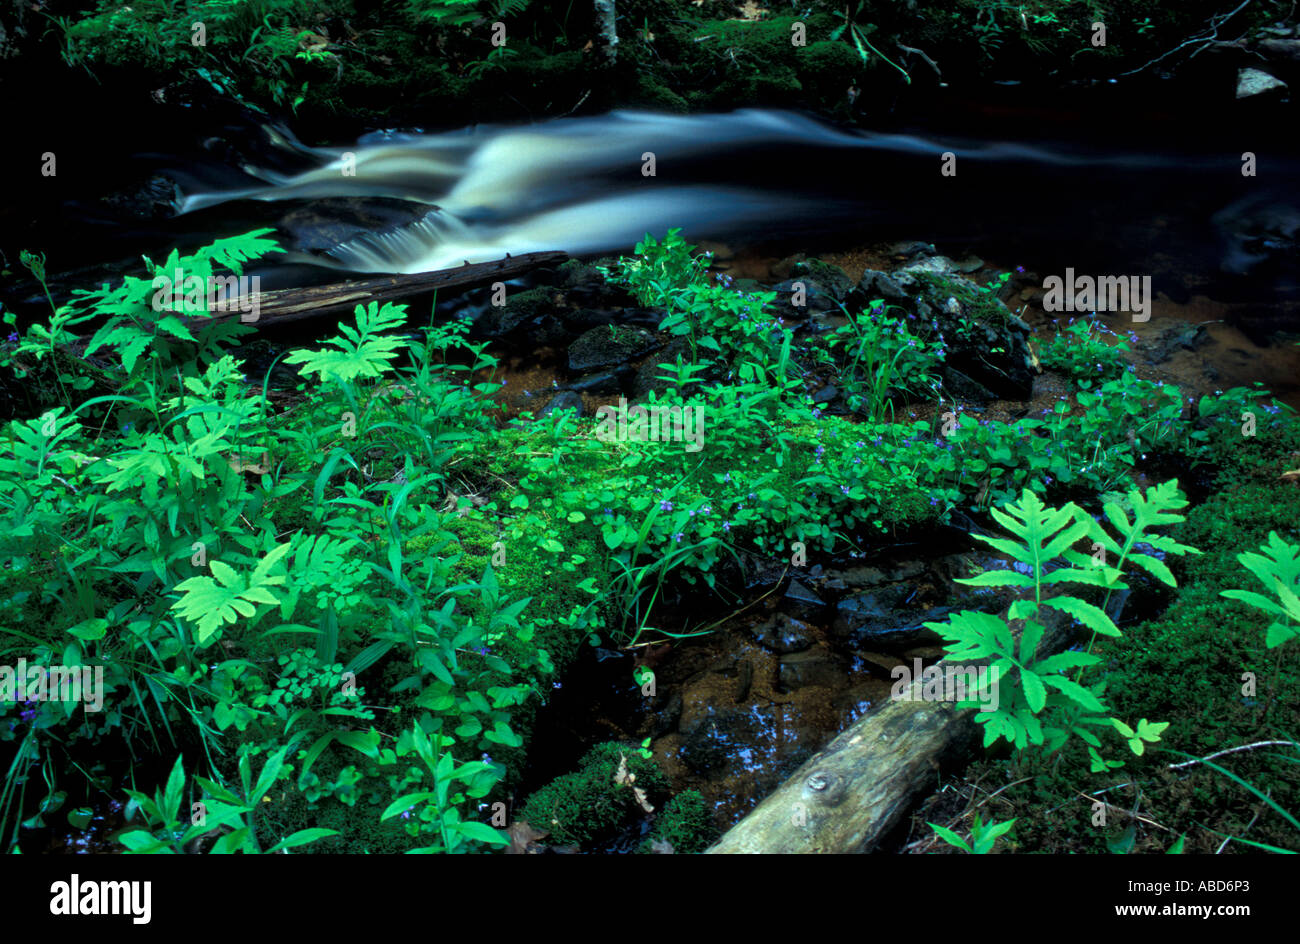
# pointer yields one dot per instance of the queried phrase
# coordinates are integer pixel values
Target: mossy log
(292, 304)
(853, 792)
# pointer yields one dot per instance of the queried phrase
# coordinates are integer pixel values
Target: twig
(577, 106)
(1215, 23)
(1233, 750)
(930, 62)
(1228, 839)
(1120, 809)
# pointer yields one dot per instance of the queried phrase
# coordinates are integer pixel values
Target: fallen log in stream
(848, 796)
(292, 304)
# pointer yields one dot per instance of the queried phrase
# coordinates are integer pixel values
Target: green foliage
(983, 836)
(593, 804)
(461, 12)
(684, 824)
(1080, 352)
(246, 44)
(880, 358)
(1278, 569)
(232, 810)
(1028, 685)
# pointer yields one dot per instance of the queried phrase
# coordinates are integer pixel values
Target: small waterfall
(597, 184)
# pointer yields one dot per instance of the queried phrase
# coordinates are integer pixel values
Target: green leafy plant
(222, 807)
(1277, 567)
(983, 836)
(1029, 685)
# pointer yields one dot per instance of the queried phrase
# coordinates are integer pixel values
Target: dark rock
(799, 598)
(328, 222)
(1181, 335)
(664, 720)
(985, 345)
(565, 400)
(961, 387)
(816, 300)
(522, 313)
(832, 279)
(608, 381)
(877, 620)
(816, 668)
(585, 287)
(609, 347)
(647, 375)
(878, 285)
(826, 394)
(912, 249)
(781, 634)
(153, 199)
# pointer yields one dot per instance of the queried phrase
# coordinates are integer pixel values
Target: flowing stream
(597, 184)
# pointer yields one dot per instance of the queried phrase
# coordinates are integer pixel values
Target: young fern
(363, 352)
(1030, 685)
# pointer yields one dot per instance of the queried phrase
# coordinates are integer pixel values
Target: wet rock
(986, 344)
(1179, 336)
(878, 620)
(607, 381)
(964, 388)
(802, 600)
(781, 634)
(876, 285)
(152, 199)
(566, 400)
(816, 300)
(664, 720)
(1253, 82)
(325, 223)
(968, 265)
(832, 279)
(826, 394)
(522, 313)
(609, 347)
(912, 249)
(712, 733)
(864, 577)
(817, 668)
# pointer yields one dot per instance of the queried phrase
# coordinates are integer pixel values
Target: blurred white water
(577, 184)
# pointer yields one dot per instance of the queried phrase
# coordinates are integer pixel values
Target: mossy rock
(587, 806)
(653, 94)
(830, 278)
(827, 69)
(685, 825)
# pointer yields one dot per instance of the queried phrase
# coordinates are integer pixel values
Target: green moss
(653, 94)
(985, 307)
(587, 806)
(827, 69)
(685, 824)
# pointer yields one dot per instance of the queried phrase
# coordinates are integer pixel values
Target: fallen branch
(1215, 22)
(930, 62)
(1233, 750)
(293, 304)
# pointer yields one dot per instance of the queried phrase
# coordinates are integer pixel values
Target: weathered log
(292, 304)
(854, 791)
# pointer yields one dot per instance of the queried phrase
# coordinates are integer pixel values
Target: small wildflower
(665, 505)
